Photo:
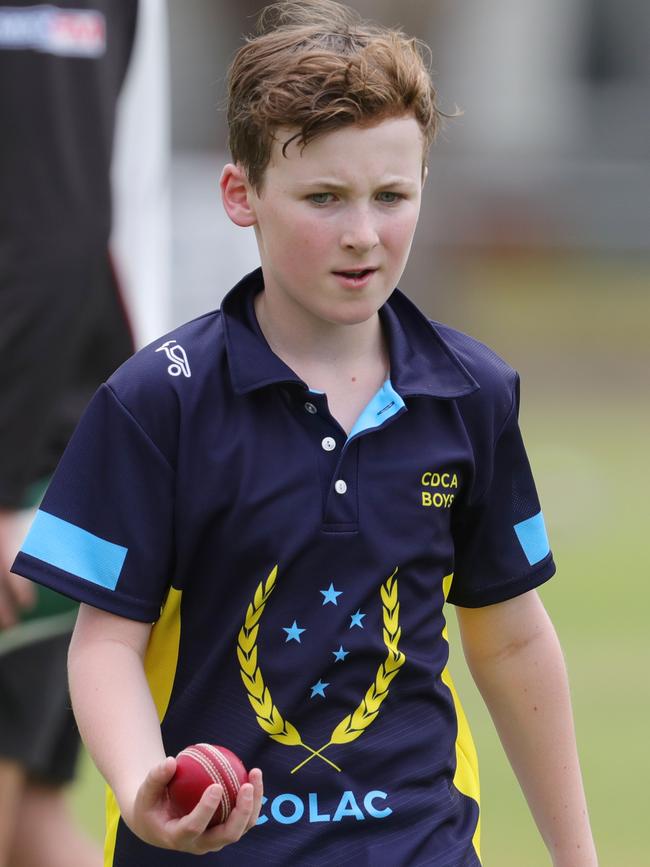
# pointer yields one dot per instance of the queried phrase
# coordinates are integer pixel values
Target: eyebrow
(331, 184)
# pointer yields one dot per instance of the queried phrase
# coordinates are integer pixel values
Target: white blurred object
(141, 237)
(211, 254)
(510, 65)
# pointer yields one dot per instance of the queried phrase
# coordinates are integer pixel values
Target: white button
(329, 444)
(340, 487)
(311, 409)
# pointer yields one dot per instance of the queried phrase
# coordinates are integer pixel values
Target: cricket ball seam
(225, 766)
(212, 772)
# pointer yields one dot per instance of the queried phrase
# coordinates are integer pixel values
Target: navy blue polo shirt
(297, 576)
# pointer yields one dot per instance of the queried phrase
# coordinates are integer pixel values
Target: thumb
(153, 788)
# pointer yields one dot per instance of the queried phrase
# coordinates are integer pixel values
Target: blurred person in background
(63, 330)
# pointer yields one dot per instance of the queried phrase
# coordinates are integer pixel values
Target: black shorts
(63, 331)
(37, 728)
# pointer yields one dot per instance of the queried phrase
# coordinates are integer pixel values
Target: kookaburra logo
(355, 723)
(178, 357)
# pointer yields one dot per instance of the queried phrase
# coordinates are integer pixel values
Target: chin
(339, 307)
(354, 313)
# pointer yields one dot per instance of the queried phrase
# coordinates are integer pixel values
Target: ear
(236, 195)
(425, 175)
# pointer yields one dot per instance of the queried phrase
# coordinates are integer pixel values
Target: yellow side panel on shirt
(466, 777)
(160, 664)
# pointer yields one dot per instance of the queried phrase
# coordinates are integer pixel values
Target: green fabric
(34, 493)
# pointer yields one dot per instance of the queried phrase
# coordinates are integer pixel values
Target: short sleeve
(500, 540)
(104, 532)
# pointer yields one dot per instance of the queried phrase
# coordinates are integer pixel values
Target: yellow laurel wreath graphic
(267, 714)
(352, 726)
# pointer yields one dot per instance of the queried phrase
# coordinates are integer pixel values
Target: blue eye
(320, 198)
(389, 198)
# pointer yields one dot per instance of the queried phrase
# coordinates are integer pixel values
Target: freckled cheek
(397, 243)
(312, 238)
(288, 237)
(398, 235)
(302, 252)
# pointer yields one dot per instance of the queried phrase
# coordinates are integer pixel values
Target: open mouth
(356, 275)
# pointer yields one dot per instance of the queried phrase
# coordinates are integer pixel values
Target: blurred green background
(579, 340)
(576, 329)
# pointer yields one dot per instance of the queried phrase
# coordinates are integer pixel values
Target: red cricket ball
(197, 767)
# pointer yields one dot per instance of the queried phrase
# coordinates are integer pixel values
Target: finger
(237, 823)
(256, 780)
(194, 824)
(155, 783)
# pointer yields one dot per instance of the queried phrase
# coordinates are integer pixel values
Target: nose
(360, 234)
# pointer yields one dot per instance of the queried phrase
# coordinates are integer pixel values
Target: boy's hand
(153, 821)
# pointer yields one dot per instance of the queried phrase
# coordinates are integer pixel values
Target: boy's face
(335, 221)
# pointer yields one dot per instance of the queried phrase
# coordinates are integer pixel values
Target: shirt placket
(338, 464)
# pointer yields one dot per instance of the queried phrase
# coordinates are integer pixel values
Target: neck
(306, 343)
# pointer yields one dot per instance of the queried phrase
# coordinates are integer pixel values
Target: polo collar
(422, 362)
(251, 361)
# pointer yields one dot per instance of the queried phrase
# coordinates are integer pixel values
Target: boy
(290, 489)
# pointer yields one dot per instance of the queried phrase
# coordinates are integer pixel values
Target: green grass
(87, 798)
(577, 330)
(590, 479)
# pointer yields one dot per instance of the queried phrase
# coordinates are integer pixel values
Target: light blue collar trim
(386, 403)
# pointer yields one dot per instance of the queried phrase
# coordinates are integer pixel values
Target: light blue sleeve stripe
(383, 405)
(533, 539)
(74, 550)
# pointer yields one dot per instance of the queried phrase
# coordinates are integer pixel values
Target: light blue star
(319, 689)
(340, 654)
(355, 619)
(330, 595)
(293, 632)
